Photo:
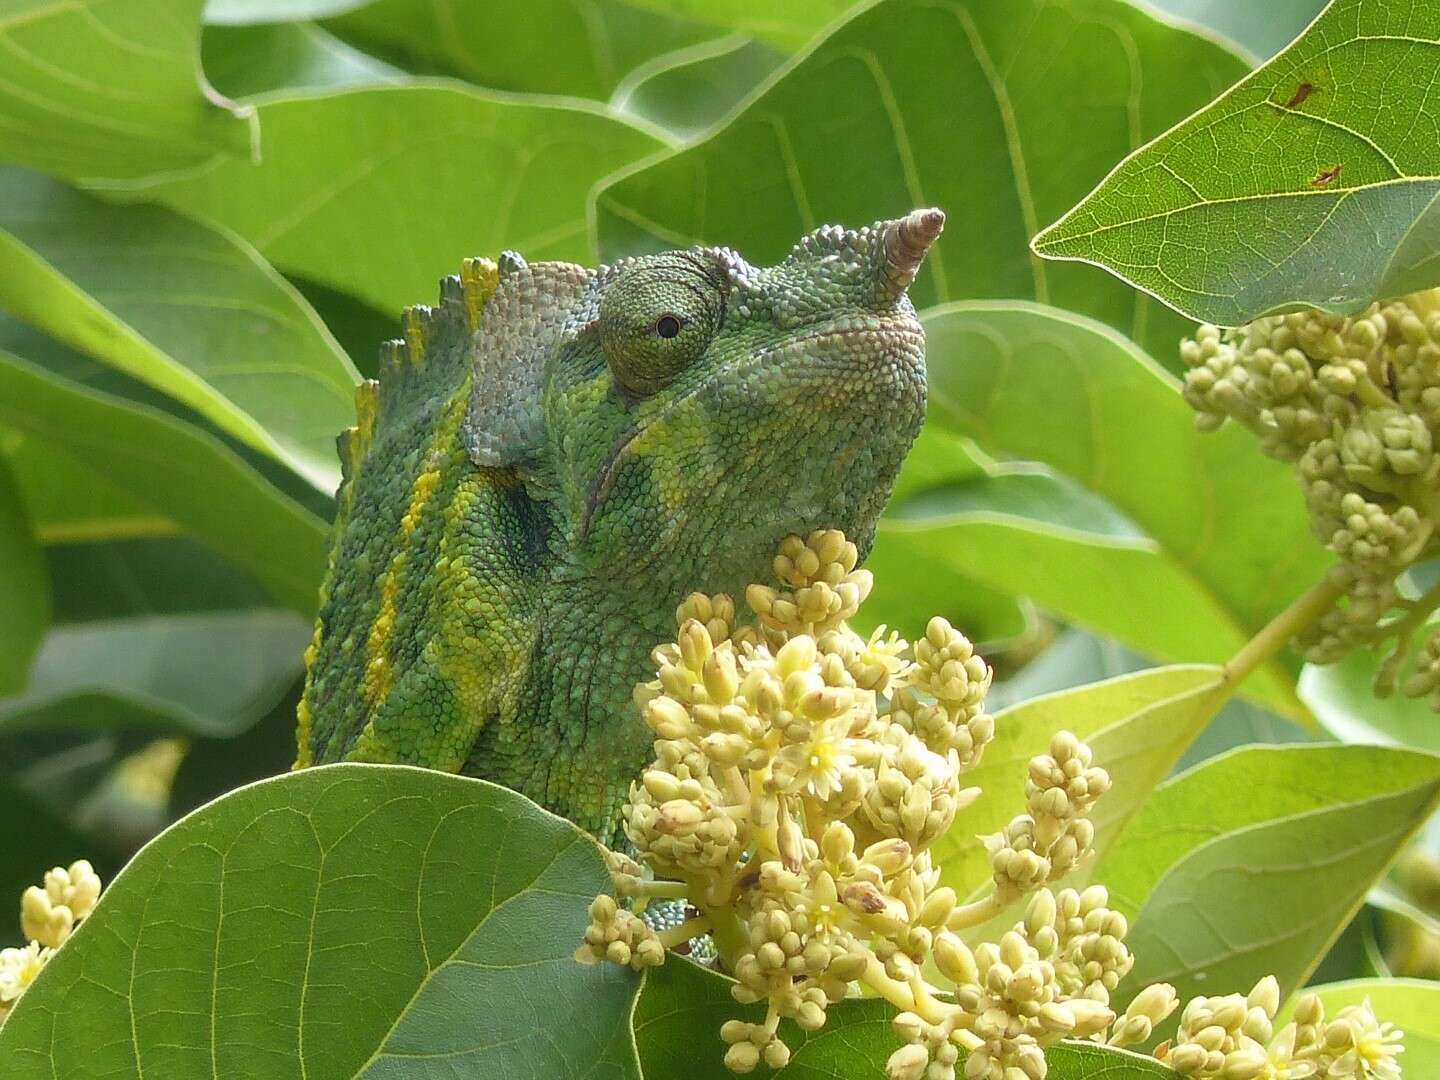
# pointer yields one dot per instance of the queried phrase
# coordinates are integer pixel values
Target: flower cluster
(801, 773)
(1234, 1036)
(1354, 405)
(49, 914)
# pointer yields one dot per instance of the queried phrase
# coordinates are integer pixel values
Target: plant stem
(976, 912)
(678, 935)
(1308, 607)
(731, 940)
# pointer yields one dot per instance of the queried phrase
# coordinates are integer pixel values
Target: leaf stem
(976, 912)
(678, 935)
(1308, 607)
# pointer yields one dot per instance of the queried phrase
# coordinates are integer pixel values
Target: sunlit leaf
(1341, 206)
(188, 310)
(110, 89)
(347, 921)
(1252, 863)
(914, 103)
(380, 192)
(246, 60)
(185, 474)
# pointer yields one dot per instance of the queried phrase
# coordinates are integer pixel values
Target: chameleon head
(702, 408)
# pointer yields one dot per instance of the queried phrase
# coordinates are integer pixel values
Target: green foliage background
(195, 272)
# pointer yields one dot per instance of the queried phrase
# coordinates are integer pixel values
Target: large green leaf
(110, 89)
(963, 104)
(536, 46)
(246, 60)
(24, 586)
(249, 12)
(1336, 202)
(348, 921)
(380, 192)
(191, 311)
(206, 673)
(688, 91)
(1252, 863)
(1342, 697)
(678, 1017)
(1137, 725)
(1193, 578)
(185, 474)
(1264, 29)
(1413, 1005)
(786, 24)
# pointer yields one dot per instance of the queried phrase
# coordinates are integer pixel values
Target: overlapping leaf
(346, 921)
(1252, 863)
(1264, 29)
(184, 474)
(189, 310)
(208, 674)
(1137, 725)
(243, 61)
(1342, 697)
(1314, 181)
(109, 89)
(1209, 541)
(963, 104)
(382, 191)
(24, 598)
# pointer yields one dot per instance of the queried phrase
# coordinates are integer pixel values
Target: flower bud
(907, 1063)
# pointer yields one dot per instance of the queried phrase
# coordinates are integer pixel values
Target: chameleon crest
(554, 457)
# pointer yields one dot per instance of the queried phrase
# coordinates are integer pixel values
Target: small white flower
(1373, 1048)
(18, 968)
(818, 764)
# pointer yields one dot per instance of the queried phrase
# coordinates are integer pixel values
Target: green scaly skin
(553, 458)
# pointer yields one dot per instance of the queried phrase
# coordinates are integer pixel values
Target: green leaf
(1191, 578)
(1264, 29)
(243, 61)
(450, 172)
(1137, 725)
(533, 46)
(191, 311)
(246, 12)
(110, 89)
(205, 674)
(352, 920)
(24, 586)
(1412, 1005)
(1343, 699)
(689, 91)
(147, 576)
(678, 1018)
(1341, 208)
(1252, 863)
(182, 472)
(962, 105)
(785, 24)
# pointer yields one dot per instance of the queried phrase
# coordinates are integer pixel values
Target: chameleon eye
(657, 319)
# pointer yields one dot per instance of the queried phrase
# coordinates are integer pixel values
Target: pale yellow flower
(818, 764)
(18, 968)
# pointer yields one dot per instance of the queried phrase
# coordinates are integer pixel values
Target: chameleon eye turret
(555, 457)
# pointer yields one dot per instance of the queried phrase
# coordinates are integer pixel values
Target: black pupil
(668, 326)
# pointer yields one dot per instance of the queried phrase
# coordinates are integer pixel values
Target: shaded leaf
(1413, 1005)
(1137, 725)
(959, 104)
(1342, 207)
(188, 310)
(179, 470)
(682, 1005)
(350, 920)
(534, 46)
(110, 89)
(1186, 577)
(1342, 698)
(1264, 29)
(158, 575)
(1252, 863)
(213, 767)
(33, 838)
(379, 192)
(24, 586)
(243, 61)
(206, 674)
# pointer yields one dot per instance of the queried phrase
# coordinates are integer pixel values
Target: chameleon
(554, 457)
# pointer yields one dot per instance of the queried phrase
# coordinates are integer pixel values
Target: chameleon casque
(554, 457)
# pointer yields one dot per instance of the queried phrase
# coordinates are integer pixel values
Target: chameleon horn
(905, 242)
